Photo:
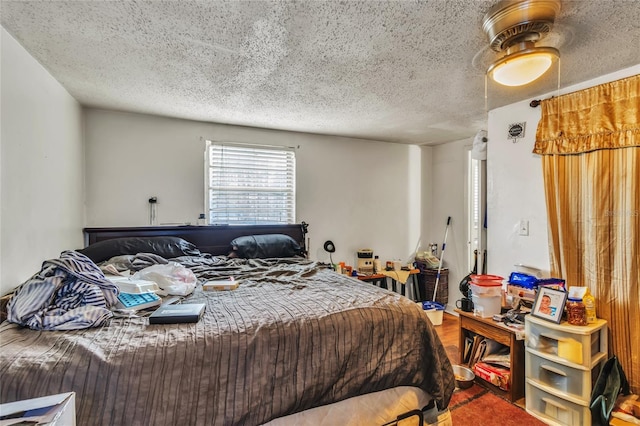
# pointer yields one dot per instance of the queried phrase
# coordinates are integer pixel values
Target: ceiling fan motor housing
(510, 23)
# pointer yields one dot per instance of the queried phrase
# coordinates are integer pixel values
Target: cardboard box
(498, 376)
(619, 422)
(521, 292)
(220, 285)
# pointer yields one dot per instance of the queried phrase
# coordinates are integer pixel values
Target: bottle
(576, 313)
(590, 306)
(377, 265)
(202, 220)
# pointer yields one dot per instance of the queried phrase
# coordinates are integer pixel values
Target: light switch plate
(523, 229)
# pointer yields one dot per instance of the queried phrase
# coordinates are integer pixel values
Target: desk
(487, 327)
(380, 279)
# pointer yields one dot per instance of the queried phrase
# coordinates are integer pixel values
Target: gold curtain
(590, 146)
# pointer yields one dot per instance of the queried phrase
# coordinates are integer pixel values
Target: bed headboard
(214, 239)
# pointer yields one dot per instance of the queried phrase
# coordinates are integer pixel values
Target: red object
(495, 375)
(487, 280)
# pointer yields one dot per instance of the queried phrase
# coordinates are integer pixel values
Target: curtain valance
(601, 117)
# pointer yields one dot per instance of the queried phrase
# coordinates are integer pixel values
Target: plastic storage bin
(555, 377)
(486, 306)
(579, 345)
(434, 311)
(486, 291)
(562, 361)
(546, 406)
(487, 280)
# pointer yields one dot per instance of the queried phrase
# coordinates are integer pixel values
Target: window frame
(291, 170)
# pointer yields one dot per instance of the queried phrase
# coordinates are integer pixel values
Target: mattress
(293, 336)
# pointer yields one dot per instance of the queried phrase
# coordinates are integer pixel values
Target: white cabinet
(562, 362)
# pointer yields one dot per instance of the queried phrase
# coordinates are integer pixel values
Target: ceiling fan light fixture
(523, 66)
(514, 26)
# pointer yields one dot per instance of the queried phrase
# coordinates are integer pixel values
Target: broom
(444, 244)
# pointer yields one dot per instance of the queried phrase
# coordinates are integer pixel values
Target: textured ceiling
(400, 71)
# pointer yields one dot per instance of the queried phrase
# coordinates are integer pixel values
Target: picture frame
(549, 304)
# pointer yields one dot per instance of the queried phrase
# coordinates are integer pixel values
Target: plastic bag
(172, 278)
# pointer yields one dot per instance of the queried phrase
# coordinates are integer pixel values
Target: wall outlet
(523, 229)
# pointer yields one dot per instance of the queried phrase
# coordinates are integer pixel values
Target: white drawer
(568, 342)
(559, 411)
(576, 383)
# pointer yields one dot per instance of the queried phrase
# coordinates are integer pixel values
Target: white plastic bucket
(486, 291)
(486, 306)
(434, 311)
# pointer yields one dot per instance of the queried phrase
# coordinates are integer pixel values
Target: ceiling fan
(514, 28)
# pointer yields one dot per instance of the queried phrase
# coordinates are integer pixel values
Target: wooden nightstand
(497, 331)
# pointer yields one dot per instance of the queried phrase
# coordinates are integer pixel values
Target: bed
(295, 343)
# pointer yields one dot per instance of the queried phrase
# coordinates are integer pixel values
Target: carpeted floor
(477, 406)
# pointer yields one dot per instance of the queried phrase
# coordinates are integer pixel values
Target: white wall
(357, 193)
(42, 167)
(515, 188)
(445, 177)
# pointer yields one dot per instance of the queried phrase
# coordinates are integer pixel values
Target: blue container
(429, 306)
(434, 311)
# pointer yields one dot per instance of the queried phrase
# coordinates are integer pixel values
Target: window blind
(250, 185)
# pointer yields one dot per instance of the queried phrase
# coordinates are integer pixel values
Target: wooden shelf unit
(487, 327)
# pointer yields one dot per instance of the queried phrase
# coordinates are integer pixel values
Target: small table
(380, 279)
(497, 331)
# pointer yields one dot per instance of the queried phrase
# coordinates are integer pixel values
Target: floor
(448, 333)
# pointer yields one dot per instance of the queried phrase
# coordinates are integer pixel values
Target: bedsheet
(294, 335)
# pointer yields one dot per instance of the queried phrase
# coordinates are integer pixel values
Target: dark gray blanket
(293, 336)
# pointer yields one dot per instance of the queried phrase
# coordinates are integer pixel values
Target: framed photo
(549, 304)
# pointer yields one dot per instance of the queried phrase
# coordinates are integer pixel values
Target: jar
(377, 265)
(576, 312)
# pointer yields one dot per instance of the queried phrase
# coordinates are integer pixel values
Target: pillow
(265, 246)
(167, 247)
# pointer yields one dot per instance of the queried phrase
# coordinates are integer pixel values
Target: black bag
(611, 382)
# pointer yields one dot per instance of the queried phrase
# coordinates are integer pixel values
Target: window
(476, 212)
(249, 184)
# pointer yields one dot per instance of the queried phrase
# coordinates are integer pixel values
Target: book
(468, 343)
(173, 314)
(477, 347)
(229, 284)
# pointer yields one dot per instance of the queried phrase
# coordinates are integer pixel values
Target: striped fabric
(68, 293)
(293, 336)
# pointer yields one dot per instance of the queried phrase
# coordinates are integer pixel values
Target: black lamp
(329, 247)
